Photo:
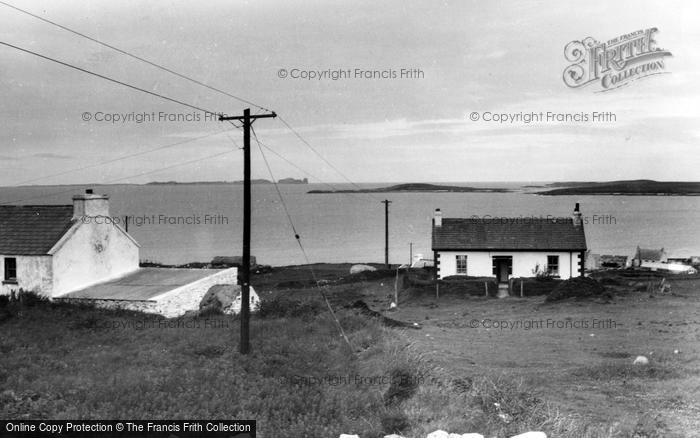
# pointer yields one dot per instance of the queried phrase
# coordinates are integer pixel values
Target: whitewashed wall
(175, 302)
(480, 264)
(178, 301)
(34, 273)
(92, 253)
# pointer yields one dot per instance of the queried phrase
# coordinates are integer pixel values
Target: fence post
(521, 289)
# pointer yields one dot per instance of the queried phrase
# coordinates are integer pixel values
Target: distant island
(252, 181)
(640, 187)
(417, 187)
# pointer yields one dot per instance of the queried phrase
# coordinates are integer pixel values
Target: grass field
(61, 361)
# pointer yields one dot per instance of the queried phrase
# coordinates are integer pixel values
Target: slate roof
(509, 234)
(649, 254)
(32, 229)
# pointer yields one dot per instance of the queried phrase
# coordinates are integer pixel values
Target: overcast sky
(500, 57)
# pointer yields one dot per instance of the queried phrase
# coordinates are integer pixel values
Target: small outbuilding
(649, 255)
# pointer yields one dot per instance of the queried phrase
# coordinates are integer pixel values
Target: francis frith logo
(616, 62)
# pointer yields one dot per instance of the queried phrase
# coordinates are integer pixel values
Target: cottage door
(502, 271)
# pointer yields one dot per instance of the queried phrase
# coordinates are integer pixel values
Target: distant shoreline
(254, 181)
(625, 188)
(418, 187)
(561, 188)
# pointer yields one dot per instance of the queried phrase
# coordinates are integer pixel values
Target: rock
(393, 435)
(392, 305)
(438, 434)
(226, 298)
(356, 269)
(531, 435)
(641, 360)
(342, 435)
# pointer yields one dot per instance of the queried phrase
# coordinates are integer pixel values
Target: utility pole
(244, 276)
(386, 203)
(410, 254)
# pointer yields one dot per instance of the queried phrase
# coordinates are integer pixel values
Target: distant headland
(640, 187)
(417, 187)
(253, 181)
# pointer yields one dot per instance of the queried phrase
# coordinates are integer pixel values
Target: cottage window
(553, 264)
(10, 269)
(461, 264)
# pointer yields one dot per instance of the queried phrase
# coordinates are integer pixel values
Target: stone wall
(136, 305)
(178, 301)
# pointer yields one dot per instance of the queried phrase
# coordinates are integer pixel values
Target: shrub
(462, 285)
(534, 286)
(576, 287)
(30, 298)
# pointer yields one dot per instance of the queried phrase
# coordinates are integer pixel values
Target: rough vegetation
(577, 287)
(68, 361)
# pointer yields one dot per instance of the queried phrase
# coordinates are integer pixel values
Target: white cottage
(56, 249)
(509, 247)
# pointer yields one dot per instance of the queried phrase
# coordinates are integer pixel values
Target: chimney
(90, 204)
(437, 221)
(577, 216)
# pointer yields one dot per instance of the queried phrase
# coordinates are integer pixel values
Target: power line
(48, 58)
(124, 52)
(122, 178)
(121, 158)
(180, 75)
(309, 174)
(305, 142)
(274, 182)
(301, 246)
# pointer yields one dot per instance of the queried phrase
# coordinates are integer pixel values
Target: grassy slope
(56, 363)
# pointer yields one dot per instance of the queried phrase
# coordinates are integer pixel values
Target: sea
(183, 223)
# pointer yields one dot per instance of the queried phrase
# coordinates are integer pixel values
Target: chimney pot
(90, 204)
(437, 220)
(577, 216)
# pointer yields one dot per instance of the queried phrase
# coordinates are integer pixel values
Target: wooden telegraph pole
(244, 276)
(386, 203)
